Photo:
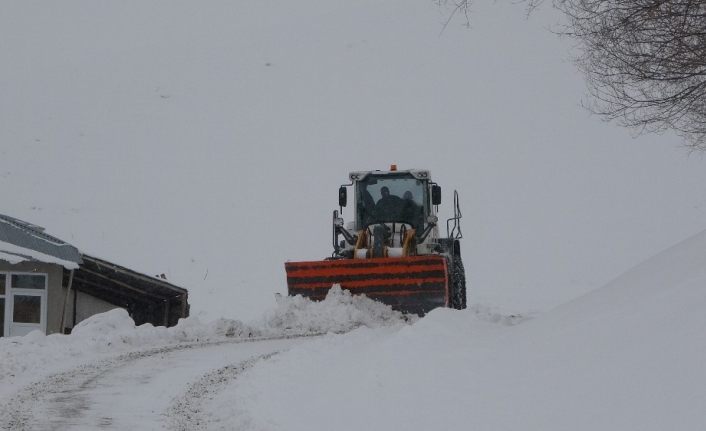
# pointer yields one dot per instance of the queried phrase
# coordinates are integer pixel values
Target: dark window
(2, 284)
(28, 281)
(391, 198)
(27, 309)
(2, 317)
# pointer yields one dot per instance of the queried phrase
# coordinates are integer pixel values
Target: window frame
(425, 200)
(9, 297)
(3, 296)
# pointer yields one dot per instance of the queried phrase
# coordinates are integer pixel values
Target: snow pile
(339, 312)
(115, 327)
(112, 322)
(113, 332)
(629, 356)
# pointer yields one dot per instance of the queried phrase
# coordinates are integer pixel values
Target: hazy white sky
(207, 141)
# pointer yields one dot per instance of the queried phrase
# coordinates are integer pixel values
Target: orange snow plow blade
(415, 284)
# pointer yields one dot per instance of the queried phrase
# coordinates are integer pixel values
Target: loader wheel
(457, 282)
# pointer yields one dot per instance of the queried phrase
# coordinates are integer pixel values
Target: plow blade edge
(415, 284)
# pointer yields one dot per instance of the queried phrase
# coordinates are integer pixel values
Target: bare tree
(457, 7)
(644, 60)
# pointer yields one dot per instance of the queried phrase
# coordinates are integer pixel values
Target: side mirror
(342, 196)
(435, 195)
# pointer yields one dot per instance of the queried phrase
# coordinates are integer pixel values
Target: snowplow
(391, 250)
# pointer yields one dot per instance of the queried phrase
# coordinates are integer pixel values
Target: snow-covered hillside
(627, 357)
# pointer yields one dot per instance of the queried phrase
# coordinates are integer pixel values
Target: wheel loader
(391, 250)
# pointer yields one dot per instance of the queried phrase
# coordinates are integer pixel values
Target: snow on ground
(24, 359)
(629, 356)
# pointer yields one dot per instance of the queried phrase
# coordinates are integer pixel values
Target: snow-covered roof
(22, 241)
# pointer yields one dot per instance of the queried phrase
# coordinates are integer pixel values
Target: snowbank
(340, 312)
(34, 355)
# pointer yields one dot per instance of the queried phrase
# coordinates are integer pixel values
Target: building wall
(56, 299)
(87, 306)
(57, 302)
(55, 293)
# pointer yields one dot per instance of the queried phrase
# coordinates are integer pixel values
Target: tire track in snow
(63, 391)
(62, 395)
(185, 413)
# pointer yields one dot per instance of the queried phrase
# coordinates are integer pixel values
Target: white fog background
(207, 140)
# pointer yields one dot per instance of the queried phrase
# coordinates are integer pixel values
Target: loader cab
(391, 198)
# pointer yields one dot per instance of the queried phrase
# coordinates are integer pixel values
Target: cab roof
(420, 174)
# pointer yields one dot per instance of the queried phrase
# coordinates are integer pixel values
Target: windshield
(391, 199)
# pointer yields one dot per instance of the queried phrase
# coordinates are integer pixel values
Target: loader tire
(457, 283)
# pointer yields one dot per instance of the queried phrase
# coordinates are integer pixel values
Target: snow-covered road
(161, 388)
(111, 374)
